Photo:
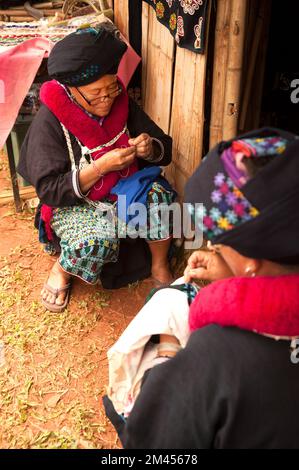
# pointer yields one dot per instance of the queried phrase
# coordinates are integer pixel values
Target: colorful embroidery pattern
(13, 34)
(233, 158)
(230, 208)
(172, 21)
(90, 72)
(261, 147)
(160, 9)
(185, 19)
(227, 206)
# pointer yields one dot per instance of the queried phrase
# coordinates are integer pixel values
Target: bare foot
(162, 274)
(57, 279)
(168, 346)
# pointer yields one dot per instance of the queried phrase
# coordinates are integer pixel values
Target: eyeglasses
(101, 99)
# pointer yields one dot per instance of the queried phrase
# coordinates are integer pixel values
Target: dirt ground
(53, 367)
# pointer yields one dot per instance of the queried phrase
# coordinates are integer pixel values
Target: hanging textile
(185, 19)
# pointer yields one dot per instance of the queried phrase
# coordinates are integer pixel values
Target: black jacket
(228, 389)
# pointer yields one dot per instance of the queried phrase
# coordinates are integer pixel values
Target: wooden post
(219, 70)
(234, 70)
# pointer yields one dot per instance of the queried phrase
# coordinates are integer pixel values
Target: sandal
(54, 307)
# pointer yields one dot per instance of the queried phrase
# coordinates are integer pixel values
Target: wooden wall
(173, 91)
(157, 68)
(174, 82)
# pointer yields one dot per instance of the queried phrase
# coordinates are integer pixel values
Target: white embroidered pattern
(180, 29)
(190, 6)
(197, 32)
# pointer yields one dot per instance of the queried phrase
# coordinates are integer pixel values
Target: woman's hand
(206, 266)
(144, 146)
(115, 160)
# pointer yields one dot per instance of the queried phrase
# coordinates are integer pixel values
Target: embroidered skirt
(89, 239)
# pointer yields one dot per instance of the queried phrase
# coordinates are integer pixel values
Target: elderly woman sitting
(235, 382)
(86, 139)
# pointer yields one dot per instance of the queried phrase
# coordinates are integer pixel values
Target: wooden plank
(187, 119)
(187, 123)
(219, 70)
(121, 16)
(177, 177)
(158, 71)
(27, 192)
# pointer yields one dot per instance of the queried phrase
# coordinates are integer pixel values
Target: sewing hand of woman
(206, 266)
(144, 145)
(117, 159)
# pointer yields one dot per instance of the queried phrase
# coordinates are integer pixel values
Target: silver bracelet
(100, 175)
(152, 159)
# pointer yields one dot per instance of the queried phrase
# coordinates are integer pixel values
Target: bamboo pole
(234, 69)
(14, 12)
(219, 70)
(40, 6)
(21, 19)
(144, 51)
(27, 192)
(25, 13)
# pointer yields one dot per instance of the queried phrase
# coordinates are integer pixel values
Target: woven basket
(72, 8)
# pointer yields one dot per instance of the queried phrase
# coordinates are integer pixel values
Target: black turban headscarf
(259, 218)
(85, 56)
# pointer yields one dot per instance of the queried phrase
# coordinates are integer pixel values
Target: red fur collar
(265, 305)
(89, 131)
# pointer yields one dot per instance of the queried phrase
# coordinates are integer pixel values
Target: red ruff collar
(265, 305)
(89, 131)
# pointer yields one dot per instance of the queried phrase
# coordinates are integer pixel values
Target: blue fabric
(136, 189)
